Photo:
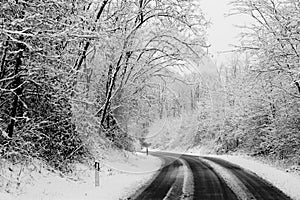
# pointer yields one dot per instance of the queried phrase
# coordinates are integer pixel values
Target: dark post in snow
(97, 169)
(147, 145)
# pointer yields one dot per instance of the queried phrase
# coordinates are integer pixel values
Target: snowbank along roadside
(119, 178)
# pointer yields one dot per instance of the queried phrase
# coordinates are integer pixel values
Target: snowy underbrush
(120, 175)
(287, 165)
(173, 132)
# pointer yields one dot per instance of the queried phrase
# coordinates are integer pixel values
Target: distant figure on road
(147, 151)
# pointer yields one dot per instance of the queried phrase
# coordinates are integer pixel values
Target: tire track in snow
(258, 187)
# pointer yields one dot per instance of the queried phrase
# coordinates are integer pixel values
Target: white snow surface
(119, 178)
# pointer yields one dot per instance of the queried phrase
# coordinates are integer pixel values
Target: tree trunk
(82, 57)
(298, 86)
(2, 69)
(18, 92)
(110, 90)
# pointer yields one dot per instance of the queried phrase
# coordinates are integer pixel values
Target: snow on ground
(119, 178)
(188, 184)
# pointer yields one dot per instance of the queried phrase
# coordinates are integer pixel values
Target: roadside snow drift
(118, 179)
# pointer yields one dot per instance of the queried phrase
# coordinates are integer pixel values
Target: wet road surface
(207, 184)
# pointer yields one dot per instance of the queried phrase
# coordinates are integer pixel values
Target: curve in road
(207, 184)
(163, 182)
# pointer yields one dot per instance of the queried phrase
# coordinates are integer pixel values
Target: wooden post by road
(97, 169)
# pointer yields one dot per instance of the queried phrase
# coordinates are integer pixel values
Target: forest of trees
(252, 104)
(75, 74)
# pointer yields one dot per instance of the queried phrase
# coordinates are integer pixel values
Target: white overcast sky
(222, 32)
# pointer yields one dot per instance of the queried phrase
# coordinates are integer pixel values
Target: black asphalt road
(260, 189)
(208, 185)
(160, 186)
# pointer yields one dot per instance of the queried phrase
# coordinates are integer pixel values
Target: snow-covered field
(119, 178)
